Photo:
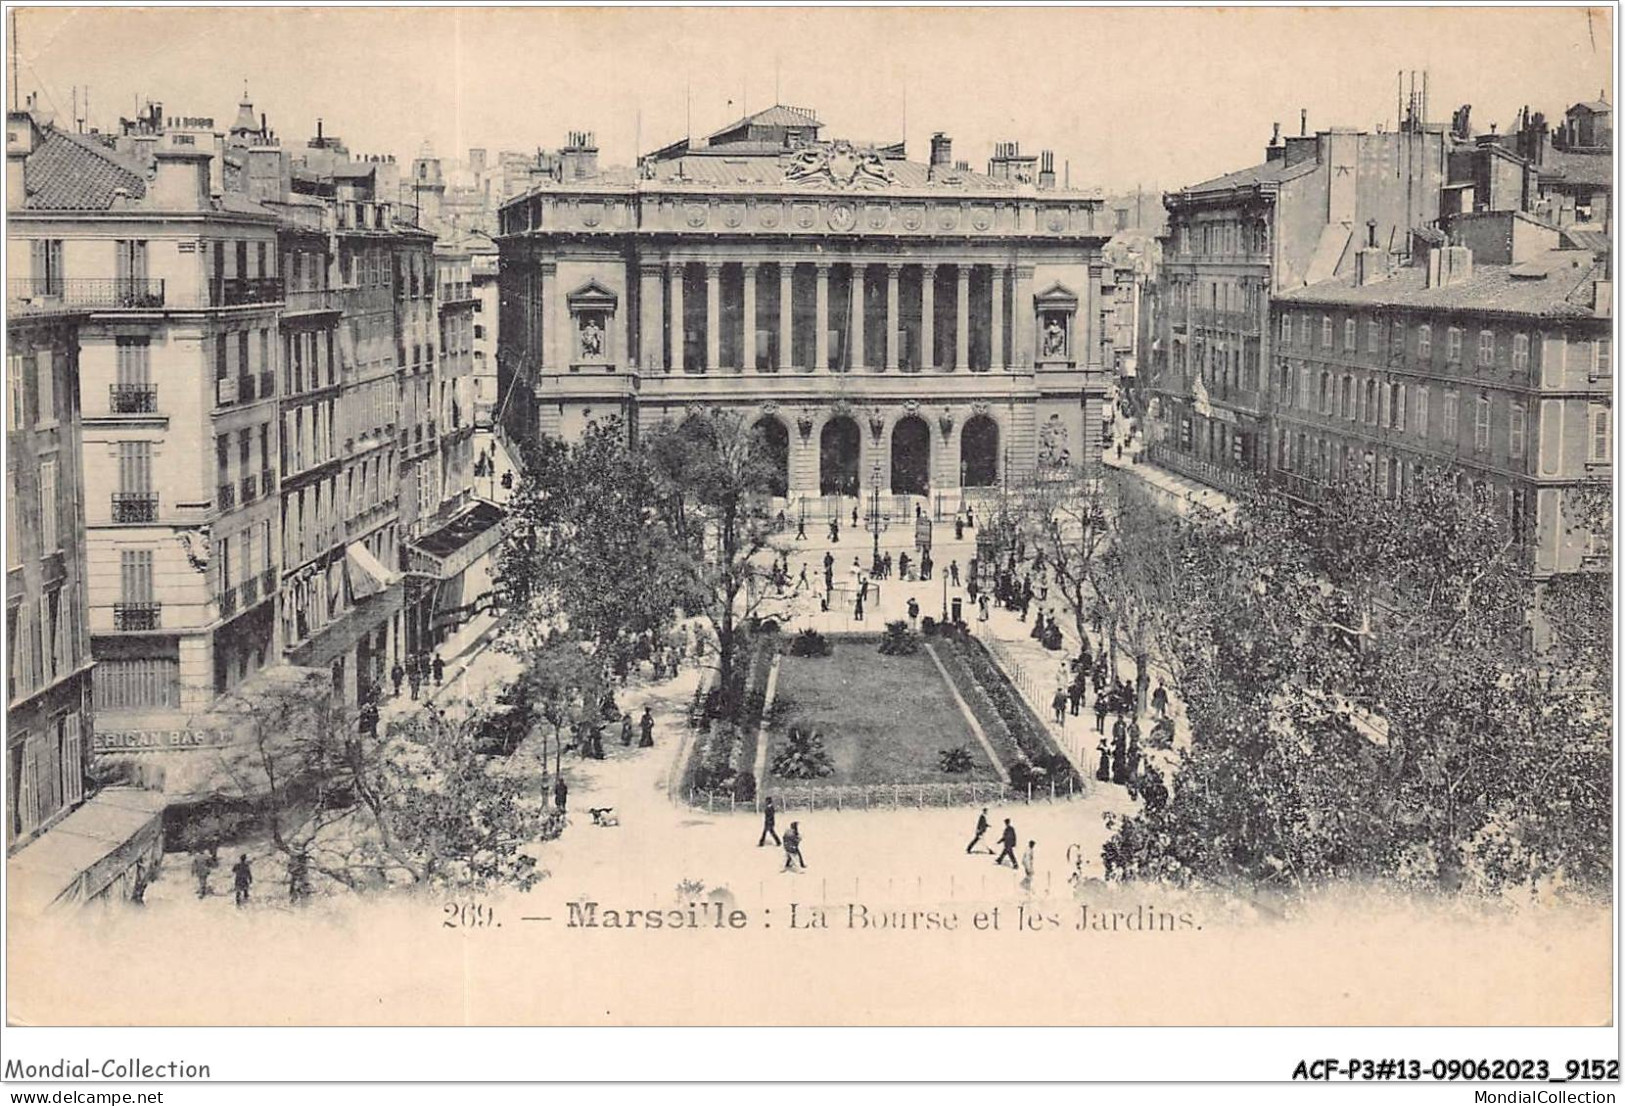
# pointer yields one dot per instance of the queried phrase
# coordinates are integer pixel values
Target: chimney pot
(1303, 121)
(1275, 139)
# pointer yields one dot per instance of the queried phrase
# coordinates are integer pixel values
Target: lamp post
(874, 513)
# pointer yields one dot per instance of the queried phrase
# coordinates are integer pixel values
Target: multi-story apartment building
(919, 327)
(1236, 240)
(178, 367)
(66, 839)
(48, 657)
(1493, 363)
(485, 267)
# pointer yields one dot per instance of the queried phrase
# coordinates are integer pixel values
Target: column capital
(823, 267)
(1024, 270)
(651, 268)
(929, 267)
(894, 269)
(714, 268)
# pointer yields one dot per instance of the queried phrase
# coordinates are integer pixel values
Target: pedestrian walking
(913, 613)
(981, 603)
(1159, 700)
(1074, 695)
(801, 581)
(801, 528)
(1119, 752)
(439, 670)
(647, 725)
(792, 848)
(981, 831)
(299, 877)
(769, 811)
(854, 516)
(626, 731)
(857, 610)
(1027, 864)
(561, 795)
(202, 868)
(397, 674)
(835, 530)
(970, 518)
(953, 572)
(242, 878)
(416, 681)
(1058, 705)
(1101, 711)
(1103, 773)
(959, 528)
(1007, 840)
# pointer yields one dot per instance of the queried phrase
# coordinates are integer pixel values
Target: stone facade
(925, 323)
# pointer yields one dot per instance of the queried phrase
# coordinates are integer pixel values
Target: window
(1303, 329)
(1520, 353)
(1373, 336)
(49, 539)
(1422, 409)
(1601, 442)
(1351, 332)
(1481, 424)
(222, 458)
(135, 575)
(1396, 338)
(1450, 427)
(1348, 397)
(1396, 406)
(135, 467)
(1424, 342)
(1371, 402)
(1601, 356)
(1286, 330)
(45, 255)
(1452, 345)
(1486, 348)
(45, 372)
(14, 392)
(1517, 430)
(1326, 331)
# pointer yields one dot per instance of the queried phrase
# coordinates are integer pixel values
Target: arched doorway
(911, 457)
(775, 442)
(979, 452)
(838, 446)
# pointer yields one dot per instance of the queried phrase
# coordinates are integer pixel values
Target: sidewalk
(1180, 491)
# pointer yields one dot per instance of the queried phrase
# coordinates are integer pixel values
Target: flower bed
(1015, 732)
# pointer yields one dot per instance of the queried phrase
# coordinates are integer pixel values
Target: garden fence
(897, 796)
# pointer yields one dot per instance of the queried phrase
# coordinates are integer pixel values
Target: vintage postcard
(810, 517)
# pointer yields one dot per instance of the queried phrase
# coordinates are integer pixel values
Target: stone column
(786, 316)
(749, 345)
(1091, 329)
(650, 289)
(893, 272)
(713, 315)
(997, 344)
(550, 327)
(855, 339)
(1021, 318)
(962, 329)
(928, 317)
(679, 332)
(821, 320)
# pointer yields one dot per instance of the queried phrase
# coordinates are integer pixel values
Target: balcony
(268, 581)
(132, 399)
(250, 489)
(245, 388)
(226, 496)
(309, 300)
(24, 294)
(136, 616)
(228, 602)
(245, 291)
(251, 591)
(267, 481)
(135, 506)
(267, 385)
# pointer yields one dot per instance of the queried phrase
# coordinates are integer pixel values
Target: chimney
(1276, 150)
(1449, 265)
(942, 151)
(1275, 139)
(1303, 121)
(181, 182)
(580, 156)
(21, 138)
(1046, 169)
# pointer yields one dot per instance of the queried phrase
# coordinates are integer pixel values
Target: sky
(1159, 97)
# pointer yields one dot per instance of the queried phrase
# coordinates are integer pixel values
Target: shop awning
(448, 551)
(76, 858)
(368, 576)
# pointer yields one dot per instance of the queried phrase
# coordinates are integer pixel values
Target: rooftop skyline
(1122, 96)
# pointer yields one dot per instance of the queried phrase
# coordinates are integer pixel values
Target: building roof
(1547, 285)
(1594, 106)
(776, 116)
(1268, 172)
(1572, 167)
(1597, 241)
(71, 172)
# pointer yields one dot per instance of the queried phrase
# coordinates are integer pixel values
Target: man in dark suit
(1008, 840)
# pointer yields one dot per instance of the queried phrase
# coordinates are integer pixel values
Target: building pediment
(1057, 297)
(840, 165)
(591, 295)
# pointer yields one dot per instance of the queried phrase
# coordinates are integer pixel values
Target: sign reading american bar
(125, 741)
(891, 325)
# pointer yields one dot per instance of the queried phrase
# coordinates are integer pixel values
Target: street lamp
(874, 514)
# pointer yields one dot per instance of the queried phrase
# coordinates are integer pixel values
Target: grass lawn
(883, 719)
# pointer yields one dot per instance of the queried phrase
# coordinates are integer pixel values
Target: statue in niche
(592, 337)
(1054, 336)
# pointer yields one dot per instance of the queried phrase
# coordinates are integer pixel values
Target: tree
(586, 546)
(564, 684)
(1061, 512)
(1365, 700)
(715, 478)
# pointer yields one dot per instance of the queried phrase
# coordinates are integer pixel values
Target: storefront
(95, 854)
(451, 570)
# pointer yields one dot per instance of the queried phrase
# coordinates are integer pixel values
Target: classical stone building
(922, 327)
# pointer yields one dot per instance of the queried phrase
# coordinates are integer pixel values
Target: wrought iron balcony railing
(91, 293)
(135, 506)
(241, 291)
(137, 616)
(132, 399)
